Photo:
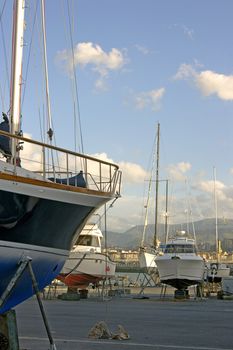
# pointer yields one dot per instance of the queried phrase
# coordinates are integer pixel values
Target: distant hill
(204, 229)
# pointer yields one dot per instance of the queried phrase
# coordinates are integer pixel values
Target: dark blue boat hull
(39, 228)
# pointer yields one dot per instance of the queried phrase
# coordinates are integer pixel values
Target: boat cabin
(89, 240)
(180, 246)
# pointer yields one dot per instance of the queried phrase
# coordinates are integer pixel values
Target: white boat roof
(91, 230)
(181, 240)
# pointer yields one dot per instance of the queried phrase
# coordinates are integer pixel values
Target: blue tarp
(4, 140)
(77, 180)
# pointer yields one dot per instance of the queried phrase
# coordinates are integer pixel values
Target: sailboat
(44, 205)
(87, 264)
(216, 270)
(147, 255)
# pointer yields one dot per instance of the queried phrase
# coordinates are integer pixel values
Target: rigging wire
(148, 194)
(29, 51)
(50, 131)
(49, 118)
(189, 211)
(75, 77)
(5, 54)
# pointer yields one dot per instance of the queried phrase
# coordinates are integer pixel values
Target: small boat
(216, 271)
(87, 264)
(180, 266)
(45, 197)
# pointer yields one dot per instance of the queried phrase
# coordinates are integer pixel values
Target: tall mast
(216, 216)
(50, 131)
(148, 199)
(157, 186)
(166, 213)
(16, 73)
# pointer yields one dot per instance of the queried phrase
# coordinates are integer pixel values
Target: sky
(137, 63)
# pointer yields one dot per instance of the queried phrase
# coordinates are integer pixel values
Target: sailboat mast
(166, 213)
(50, 131)
(157, 186)
(16, 74)
(216, 216)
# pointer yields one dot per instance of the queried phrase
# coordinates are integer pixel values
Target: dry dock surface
(151, 323)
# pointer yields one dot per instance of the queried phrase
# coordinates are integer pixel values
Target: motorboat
(87, 264)
(180, 266)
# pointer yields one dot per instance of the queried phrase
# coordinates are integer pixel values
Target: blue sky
(137, 63)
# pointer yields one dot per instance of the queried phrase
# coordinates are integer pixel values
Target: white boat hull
(180, 272)
(82, 269)
(216, 272)
(147, 260)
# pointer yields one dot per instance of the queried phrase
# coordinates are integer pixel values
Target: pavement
(152, 323)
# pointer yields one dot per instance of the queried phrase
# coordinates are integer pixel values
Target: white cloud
(177, 171)
(142, 49)
(150, 99)
(125, 213)
(185, 71)
(208, 186)
(132, 173)
(208, 82)
(188, 32)
(213, 83)
(87, 53)
(31, 155)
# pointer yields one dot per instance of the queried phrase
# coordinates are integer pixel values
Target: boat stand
(150, 279)
(199, 291)
(163, 291)
(24, 263)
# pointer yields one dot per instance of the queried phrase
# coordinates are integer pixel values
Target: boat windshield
(180, 248)
(88, 240)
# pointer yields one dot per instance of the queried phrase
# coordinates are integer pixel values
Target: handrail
(8, 134)
(99, 174)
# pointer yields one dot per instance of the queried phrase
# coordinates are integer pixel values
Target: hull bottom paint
(181, 284)
(81, 281)
(46, 264)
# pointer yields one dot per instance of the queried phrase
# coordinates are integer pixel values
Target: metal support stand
(23, 264)
(36, 289)
(163, 291)
(150, 280)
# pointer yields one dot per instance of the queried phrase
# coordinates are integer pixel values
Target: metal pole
(37, 292)
(166, 213)
(157, 187)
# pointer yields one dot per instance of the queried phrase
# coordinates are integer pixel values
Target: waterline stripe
(126, 343)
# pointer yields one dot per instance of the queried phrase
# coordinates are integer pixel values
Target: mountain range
(204, 231)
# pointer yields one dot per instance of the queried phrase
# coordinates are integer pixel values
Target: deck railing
(61, 165)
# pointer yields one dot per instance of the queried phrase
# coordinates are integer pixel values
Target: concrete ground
(151, 323)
